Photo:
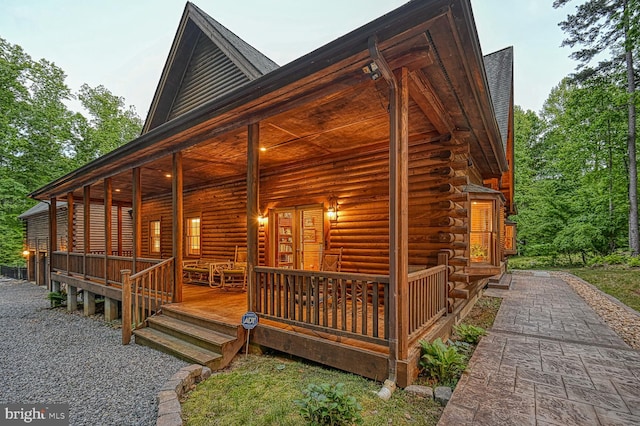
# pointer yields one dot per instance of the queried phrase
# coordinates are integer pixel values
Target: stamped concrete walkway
(548, 360)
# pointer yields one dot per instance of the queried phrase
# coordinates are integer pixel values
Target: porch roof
(323, 104)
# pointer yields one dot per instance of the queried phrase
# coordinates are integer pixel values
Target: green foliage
(57, 298)
(41, 139)
(442, 362)
(327, 404)
(469, 333)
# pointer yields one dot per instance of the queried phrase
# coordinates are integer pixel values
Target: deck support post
(253, 209)
(70, 214)
(178, 225)
(107, 227)
(88, 303)
(137, 219)
(402, 170)
(86, 202)
(110, 309)
(398, 207)
(126, 306)
(53, 241)
(72, 298)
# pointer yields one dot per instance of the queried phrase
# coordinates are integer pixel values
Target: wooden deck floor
(228, 305)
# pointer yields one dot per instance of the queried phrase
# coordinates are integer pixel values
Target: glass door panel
(284, 239)
(312, 237)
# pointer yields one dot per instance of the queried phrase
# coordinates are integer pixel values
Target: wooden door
(298, 237)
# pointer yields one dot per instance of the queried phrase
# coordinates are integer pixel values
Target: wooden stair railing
(143, 294)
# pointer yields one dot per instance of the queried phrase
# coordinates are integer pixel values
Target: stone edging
(169, 408)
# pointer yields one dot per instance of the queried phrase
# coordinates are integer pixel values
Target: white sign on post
(249, 322)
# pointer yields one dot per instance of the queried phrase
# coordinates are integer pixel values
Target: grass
(621, 283)
(260, 390)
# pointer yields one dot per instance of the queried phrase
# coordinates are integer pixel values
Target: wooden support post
(178, 225)
(253, 190)
(86, 202)
(110, 309)
(402, 207)
(88, 303)
(126, 306)
(72, 298)
(119, 226)
(443, 259)
(137, 218)
(70, 214)
(53, 239)
(107, 227)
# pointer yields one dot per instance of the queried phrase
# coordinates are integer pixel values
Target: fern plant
(441, 362)
(469, 333)
(329, 405)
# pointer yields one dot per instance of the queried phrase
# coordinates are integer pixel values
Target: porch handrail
(337, 303)
(144, 293)
(427, 297)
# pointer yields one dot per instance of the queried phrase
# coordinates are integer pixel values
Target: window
(481, 240)
(193, 236)
(154, 236)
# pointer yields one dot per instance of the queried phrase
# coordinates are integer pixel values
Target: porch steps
(203, 341)
(501, 282)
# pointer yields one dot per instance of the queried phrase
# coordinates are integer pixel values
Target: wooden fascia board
(227, 48)
(352, 45)
(473, 63)
(177, 40)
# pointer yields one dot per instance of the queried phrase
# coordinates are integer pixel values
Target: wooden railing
(143, 294)
(427, 297)
(351, 305)
(95, 265)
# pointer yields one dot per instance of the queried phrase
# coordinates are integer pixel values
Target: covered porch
(363, 145)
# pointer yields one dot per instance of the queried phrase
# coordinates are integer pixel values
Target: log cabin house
(391, 146)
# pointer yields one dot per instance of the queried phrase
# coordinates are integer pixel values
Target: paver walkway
(548, 360)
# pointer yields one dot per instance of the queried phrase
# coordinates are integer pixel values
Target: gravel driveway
(51, 356)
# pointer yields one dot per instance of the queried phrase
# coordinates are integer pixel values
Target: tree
(41, 139)
(611, 26)
(110, 124)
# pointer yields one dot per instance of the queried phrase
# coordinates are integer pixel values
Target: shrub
(441, 362)
(614, 259)
(57, 298)
(633, 262)
(469, 333)
(329, 405)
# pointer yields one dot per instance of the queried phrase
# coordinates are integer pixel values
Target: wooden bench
(203, 271)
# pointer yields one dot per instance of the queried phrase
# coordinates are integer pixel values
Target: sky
(123, 44)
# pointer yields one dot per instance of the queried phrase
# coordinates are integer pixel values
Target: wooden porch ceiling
(321, 114)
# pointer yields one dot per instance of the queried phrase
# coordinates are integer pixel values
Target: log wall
(359, 182)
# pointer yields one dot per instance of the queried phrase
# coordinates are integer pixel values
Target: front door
(298, 237)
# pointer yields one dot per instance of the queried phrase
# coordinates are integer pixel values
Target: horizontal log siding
(437, 208)
(222, 212)
(361, 186)
(97, 229)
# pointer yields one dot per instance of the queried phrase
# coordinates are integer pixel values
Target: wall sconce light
(373, 71)
(332, 210)
(25, 253)
(262, 220)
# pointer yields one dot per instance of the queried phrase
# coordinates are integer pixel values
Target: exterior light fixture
(373, 71)
(332, 210)
(262, 220)
(167, 175)
(263, 149)
(25, 253)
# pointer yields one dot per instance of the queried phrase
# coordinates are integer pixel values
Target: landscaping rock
(423, 391)
(443, 394)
